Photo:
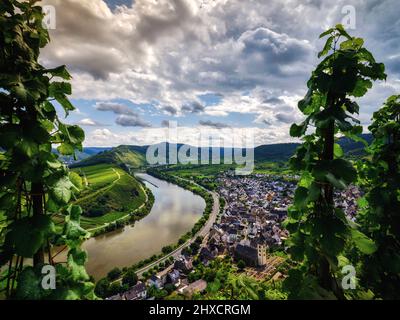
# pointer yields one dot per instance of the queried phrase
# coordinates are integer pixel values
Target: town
(248, 229)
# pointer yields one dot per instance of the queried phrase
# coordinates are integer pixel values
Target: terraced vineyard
(110, 194)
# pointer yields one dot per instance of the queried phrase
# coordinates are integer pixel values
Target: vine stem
(63, 249)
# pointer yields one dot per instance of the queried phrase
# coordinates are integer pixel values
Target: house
(280, 212)
(183, 264)
(205, 255)
(155, 281)
(173, 277)
(216, 248)
(137, 292)
(160, 279)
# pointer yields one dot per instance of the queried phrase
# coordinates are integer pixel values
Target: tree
(34, 184)
(380, 216)
(166, 249)
(115, 288)
(102, 288)
(130, 278)
(241, 265)
(319, 230)
(114, 274)
(158, 294)
(169, 287)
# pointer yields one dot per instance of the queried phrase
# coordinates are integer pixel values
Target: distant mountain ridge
(135, 156)
(84, 154)
(283, 151)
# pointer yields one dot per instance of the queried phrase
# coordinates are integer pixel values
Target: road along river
(174, 213)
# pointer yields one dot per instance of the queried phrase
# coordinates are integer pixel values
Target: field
(109, 194)
(277, 168)
(205, 174)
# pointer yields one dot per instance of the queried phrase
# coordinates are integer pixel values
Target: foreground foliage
(320, 231)
(380, 215)
(34, 184)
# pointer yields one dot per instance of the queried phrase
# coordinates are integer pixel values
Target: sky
(226, 67)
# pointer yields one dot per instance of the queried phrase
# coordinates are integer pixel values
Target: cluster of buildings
(175, 275)
(256, 205)
(249, 225)
(137, 292)
(347, 200)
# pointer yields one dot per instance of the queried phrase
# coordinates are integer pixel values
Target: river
(174, 213)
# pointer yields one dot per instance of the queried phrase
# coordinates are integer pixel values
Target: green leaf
(30, 286)
(77, 135)
(21, 92)
(27, 235)
(338, 183)
(306, 101)
(76, 180)
(76, 263)
(66, 149)
(65, 103)
(329, 31)
(60, 72)
(327, 47)
(61, 190)
(300, 197)
(342, 31)
(362, 203)
(344, 169)
(75, 213)
(361, 88)
(314, 192)
(362, 242)
(28, 147)
(297, 130)
(59, 88)
(338, 151)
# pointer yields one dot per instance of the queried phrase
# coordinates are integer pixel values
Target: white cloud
(257, 54)
(90, 123)
(131, 121)
(116, 108)
(195, 136)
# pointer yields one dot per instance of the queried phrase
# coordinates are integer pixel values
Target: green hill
(283, 151)
(131, 156)
(275, 152)
(109, 194)
(135, 156)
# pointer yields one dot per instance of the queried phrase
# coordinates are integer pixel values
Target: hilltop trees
(34, 184)
(380, 216)
(319, 230)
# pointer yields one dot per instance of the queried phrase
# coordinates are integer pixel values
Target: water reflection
(175, 211)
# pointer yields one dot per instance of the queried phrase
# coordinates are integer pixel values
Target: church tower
(261, 254)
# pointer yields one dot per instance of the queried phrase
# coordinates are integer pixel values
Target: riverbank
(147, 267)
